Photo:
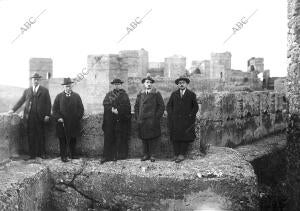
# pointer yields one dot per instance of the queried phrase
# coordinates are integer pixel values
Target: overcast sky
(68, 31)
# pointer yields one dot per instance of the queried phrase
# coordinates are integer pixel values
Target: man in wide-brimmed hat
(36, 114)
(68, 111)
(116, 123)
(149, 108)
(182, 108)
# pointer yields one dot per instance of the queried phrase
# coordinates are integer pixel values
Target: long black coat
(71, 110)
(116, 127)
(43, 102)
(182, 116)
(149, 109)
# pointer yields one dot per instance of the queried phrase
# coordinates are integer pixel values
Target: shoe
(179, 159)
(174, 158)
(75, 157)
(115, 159)
(152, 159)
(146, 157)
(43, 156)
(64, 160)
(103, 160)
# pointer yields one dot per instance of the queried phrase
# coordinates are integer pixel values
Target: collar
(67, 94)
(153, 90)
(183, 91)
(36, 88)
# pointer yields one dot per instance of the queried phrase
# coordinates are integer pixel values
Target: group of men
(67, 111)
(149, 108)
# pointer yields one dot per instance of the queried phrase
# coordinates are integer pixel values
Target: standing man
(116, 123)
(149, 108)
(182, 108)
(36, 114)
(68, 111)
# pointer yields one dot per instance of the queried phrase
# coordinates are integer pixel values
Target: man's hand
(114, 110)
(10, 112)
(46, 119)
(60, 120)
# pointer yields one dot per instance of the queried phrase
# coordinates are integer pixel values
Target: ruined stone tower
(44, 67)
(174, 66)
(137, 60)
(219, 64)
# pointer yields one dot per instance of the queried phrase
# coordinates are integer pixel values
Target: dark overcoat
(182, 115)
(43, 102)
(116, 126)
(71, 110)
(148, 110)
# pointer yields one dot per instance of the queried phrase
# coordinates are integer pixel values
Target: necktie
(181, 93)
(34, 90)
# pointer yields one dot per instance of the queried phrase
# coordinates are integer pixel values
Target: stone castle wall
(224, 119)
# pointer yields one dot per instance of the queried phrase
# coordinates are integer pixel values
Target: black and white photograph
(140, 105)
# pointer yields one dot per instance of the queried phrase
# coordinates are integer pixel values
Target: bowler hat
(35, 75)
(182, 78)
(117, 81)
(148, 77)
(67, 81)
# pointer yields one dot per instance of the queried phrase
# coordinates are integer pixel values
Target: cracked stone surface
(222, 180)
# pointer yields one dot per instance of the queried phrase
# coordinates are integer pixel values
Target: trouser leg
(176, 147)
(63, 147)
(145, 147)
(72, 147)
(31, 130)
(153, 147)
(183, 148)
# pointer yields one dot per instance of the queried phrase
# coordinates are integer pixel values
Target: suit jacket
(71, 110)
(182, 115)
(149, 109)
(43, 102)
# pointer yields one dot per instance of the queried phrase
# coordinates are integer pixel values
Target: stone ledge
(221, 180)
(263, 147)
(24, 186)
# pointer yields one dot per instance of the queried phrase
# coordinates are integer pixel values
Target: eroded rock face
(222, 180)
(24, 186)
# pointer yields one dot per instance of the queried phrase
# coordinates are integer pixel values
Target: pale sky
(69, 31)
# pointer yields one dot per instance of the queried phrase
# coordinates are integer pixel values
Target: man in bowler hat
(116, 123)
(149, 108)
(67, 111)
(36, 114)
(182, 109)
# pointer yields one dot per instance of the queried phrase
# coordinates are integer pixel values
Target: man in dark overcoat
(36, 114)
(67, 111)
(116, 123)
(149, 108)
(182, 108)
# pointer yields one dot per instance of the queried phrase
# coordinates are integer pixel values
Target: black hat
(148, 77)
(35, 75)
(182, 78)
(117, 81)
(67, 81)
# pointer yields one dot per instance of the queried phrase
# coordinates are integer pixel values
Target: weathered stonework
(293, 94)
